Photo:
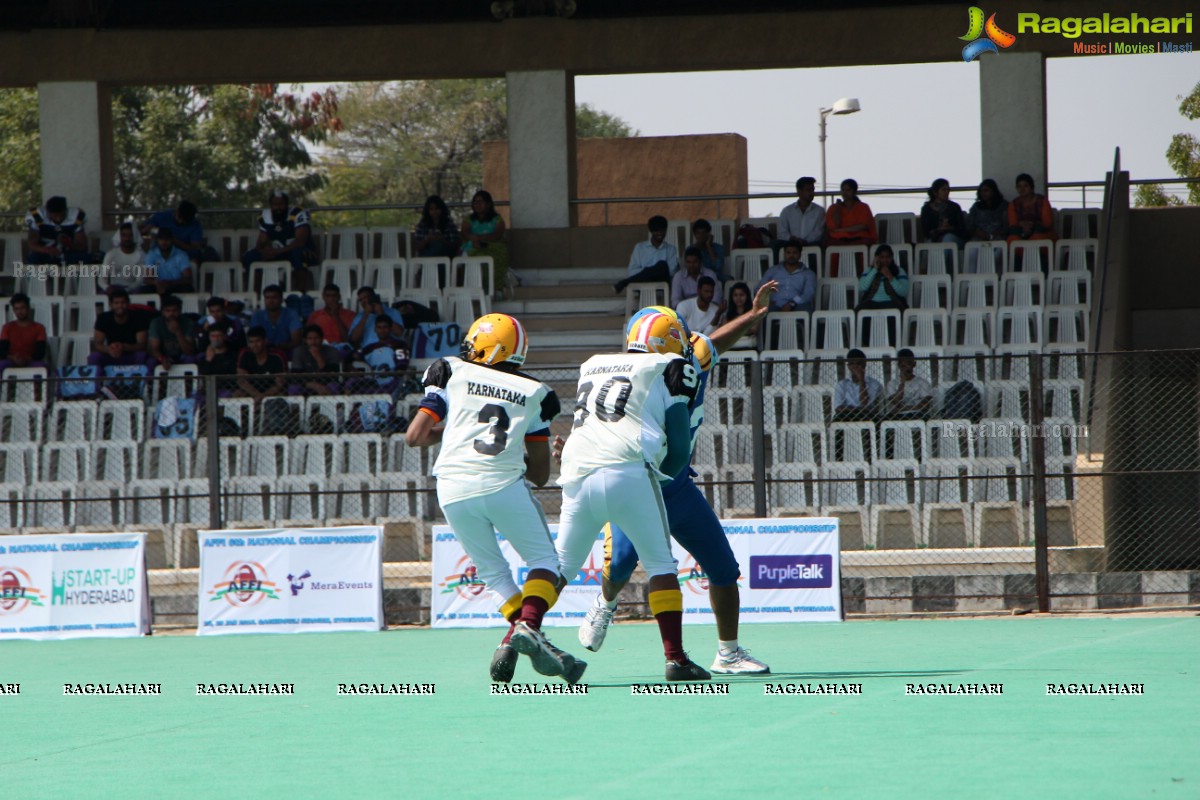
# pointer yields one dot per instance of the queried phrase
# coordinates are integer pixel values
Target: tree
(406, 140)
(1183, 154)
(218, 146)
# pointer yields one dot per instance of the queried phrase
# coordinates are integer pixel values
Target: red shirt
(324, 320)
(22, 338)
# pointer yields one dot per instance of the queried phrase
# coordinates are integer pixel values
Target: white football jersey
(620, 411)
(489, 413)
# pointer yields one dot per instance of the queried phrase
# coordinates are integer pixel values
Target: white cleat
(739, 662)
(595, 625)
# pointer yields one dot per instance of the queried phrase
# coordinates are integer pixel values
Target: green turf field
(610, 744)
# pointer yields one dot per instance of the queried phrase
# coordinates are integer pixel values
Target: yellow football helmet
(658, 333)
(670, 312)
(702, 352)
(496, 339)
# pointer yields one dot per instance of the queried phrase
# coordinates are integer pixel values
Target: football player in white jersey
(631, 430)
(493, 414)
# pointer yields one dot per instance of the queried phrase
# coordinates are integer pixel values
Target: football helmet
(496, 339)
(658, 333)
(670, 312)
(702, 352)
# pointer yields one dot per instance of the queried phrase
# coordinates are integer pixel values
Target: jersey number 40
(615, 390)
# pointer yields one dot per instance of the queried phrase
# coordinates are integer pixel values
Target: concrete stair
(571, 314)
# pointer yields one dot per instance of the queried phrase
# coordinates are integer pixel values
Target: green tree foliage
(1150, 195)
(1183, 154)
(218, 146)
(403, 141)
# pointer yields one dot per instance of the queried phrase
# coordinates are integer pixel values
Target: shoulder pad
(438, 374)
(682, 378)
(551, 407)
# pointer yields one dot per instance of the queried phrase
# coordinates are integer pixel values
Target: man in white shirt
(700, 312)
(803, 221)
(652, 260)
(856, 397)
(909, 396)
(122, 264)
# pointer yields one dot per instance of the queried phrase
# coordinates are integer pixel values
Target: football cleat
(547, 659)
(504, 663)
(573, 675)
(739, 662)
(686, 670)
(595, 625)
(496, 339)
(658, 333)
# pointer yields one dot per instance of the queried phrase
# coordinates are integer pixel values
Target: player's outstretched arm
(727, 335)
(421, 431)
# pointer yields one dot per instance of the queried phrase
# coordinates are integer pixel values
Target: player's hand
(762, 298)
(556, 448)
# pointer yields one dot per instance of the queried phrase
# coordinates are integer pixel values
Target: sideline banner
(290, 580)
(63, 586)
(790, 572)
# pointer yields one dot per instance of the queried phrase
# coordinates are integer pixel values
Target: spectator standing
(119, 338)
(685, 283)
(483, 235)
(436, 234)
(57, 234)
(260, 372)
(22, 341)
(280, 324)
(652, 260)
(333, 320)
(183, 228)
(942, 219)
(284, 234)
(700, 313)
(712, 254)
(803, 221)
(856, 397)
(172, 335)
(797, 283)
(909, 396)
(171, 267)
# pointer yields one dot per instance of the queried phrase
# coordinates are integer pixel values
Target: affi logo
(693, 576)
(977, 45)
(246, 584)
(464, 581)
(16, 591)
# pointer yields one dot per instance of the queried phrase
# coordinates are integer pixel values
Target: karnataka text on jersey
(1095, 688)
(679, 688)
(497, 392)
(386, 688)
(111, 688)
(812, 688)
(539, 688)
(954, 688)
(245, 688)
(608, 370)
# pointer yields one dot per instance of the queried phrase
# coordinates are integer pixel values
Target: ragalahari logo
(464, 581)
(246, 584)
(17, 592)
(976, 27)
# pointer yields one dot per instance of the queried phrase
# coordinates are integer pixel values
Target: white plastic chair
(976, 291)
(166, 459)
(847, 260)
(1022, 289)
(897, 227)
(985, 258)
(1065, 361)
(1020, 325)
(388, 276)
(359, 454)
(122, 420)
(474, 272)
(1069, 288)
(903, 440)
(49, 312)
(114, 461)
(429, 273)
(264, 457)
(66, 462)
(1006, 399)
(926, 327)
(99, 505)
(1012, 361)
(852, 441)
(967, 362)
(935, 258)
(896, 491)
(802, 443)
(1067, 324)
(266, 273)
(1078, 223)
(750, 265)
(930, 292)
(782, 368)
(22, 422)
(1064, 399)
(299, 500)
(999, 492)
(884, 328)
(946, 493)
(352, 499)
(833, 330)
(221, 278)
(951, 438)
(248, 500)
(1075, 255)
(1028, 255)
(347, 273)
(792, 491)
(346, 243)
(786, 330)
(640, 295)
(18, 463)
(837, 294)
(813, 405)
(51, 505)
(973, 327)
(845, 494)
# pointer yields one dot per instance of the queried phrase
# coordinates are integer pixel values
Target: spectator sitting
(387, 354)
(57, 234)
(333, 320)
(700, 313)
(942, 219)
(803, 221)
(170, 266)
(123, 264)
(435, 234)
(652, 260)
(182, 228)
(172, 335)
(712, 254)
(371, 308)
(849, 220)
(483, 235)
(284, 234)
(908, 395)
(119, 338)
(797, 283)
(856, 397)
(256, 360)
(1029, 214)
(685, 283)
(741, 302)
(218, 317)
(885, 284)
(312, 357)
(987, 221)
(22, 341)
(281, 324)
(219, 359)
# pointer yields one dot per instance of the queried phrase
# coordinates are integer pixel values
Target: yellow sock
(536, 587)
(666, 600)
(511, 608)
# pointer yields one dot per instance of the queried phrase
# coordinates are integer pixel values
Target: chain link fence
(1066, 480)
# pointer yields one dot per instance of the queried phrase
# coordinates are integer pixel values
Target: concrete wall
(1165, 277)
(645, 167)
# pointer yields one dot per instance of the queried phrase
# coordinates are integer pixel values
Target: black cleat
(504, 663)
(686, 671)
(547, 659)
(575, 673)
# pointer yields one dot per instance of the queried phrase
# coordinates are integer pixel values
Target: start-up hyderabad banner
(790, 572)
(62, 586)
(291, 580)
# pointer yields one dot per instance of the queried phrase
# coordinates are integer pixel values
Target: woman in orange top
(1029, 214)
(849, 220)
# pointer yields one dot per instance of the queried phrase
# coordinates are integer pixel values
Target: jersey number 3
(497, 419)
(603, 397)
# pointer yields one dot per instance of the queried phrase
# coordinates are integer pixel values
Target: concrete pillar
(1012, 106)
(75, 120)
(541, 149)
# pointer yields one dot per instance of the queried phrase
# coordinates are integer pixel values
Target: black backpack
(962, 401)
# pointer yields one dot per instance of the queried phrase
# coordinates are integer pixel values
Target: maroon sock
(670, 627)
(508, 636)
(532, 610)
